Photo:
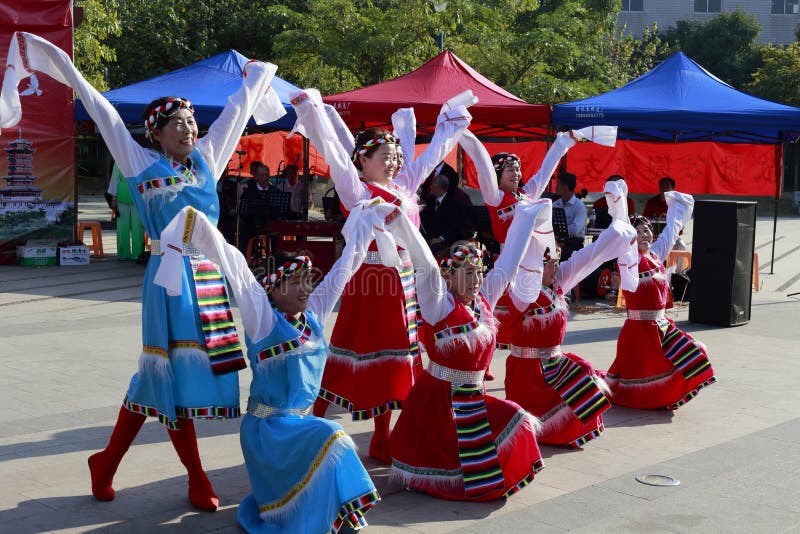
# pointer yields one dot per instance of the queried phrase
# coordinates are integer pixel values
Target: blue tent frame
(207, 84)
(679, 100)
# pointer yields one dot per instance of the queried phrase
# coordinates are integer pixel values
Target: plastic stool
(756, 284)
(97, 236)
(675, 255)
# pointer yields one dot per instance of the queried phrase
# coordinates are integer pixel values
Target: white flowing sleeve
(435, 301)
(319, 130)
(450, 125)
(404, 126)
(254, 98)
(29, 53)
(341, 129)
(537, 183)
(192, 225)
(359, 231)
(610, 244)
(519, 238)
(679, 211)
(487, 177)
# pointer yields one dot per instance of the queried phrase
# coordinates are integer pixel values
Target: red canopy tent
(498, 113)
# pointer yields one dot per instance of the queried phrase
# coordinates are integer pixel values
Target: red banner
(697, 168)
(275, 151)
(37, 162)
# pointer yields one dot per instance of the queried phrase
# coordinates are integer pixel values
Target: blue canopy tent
(681, 101)
(206, 84)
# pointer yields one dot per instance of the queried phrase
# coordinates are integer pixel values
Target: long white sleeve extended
(341, 129)
(450, 125)
(610, 244)
(254, 98)
(312, 116)
(487, 177)
(517, 243)
(192, 225)
(435, 301)
(537, 183)
(679, 211)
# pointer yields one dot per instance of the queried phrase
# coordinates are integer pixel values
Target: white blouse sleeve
(537, 183)
(359, 233)
(519, 238)
(189, 224)
(450, 125)
(435, 301)
(254, 96)
(341, 129)
(312, 116)
(611, 243)
(679, 211)
(29, 53)
(487, 177)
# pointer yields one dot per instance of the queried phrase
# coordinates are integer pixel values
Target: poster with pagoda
(37, 156)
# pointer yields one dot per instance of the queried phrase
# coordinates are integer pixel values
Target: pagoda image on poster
(24, 213)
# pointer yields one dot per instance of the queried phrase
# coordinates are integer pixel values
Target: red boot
(103, 465)
(320, 407)
(379, 446)
(201, 494)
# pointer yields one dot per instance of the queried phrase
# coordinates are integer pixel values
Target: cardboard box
(37, 253)
(73, 255)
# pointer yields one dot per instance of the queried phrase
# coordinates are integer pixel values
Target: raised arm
(341, 129)
(312, 116)
(611, 243)
(29, 53)
(254, 98)
(192, 225)
(359, 231)
(517, 243)
(537, 183)
(435, 301)
(679, 211)
(487, 177)
(450, 125)
(404, 128)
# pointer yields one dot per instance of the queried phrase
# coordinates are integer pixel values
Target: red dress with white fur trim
(657, 365)
(452, 440)
(561, 389)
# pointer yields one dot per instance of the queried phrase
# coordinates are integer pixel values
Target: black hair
(568, 179)
(161, 120)
(668, 180)
(364, 137)
(614, 178)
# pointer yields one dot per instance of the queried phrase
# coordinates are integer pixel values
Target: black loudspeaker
(722, 262)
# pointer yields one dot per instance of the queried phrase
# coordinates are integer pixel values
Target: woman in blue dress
(304, 470)
(190, 350)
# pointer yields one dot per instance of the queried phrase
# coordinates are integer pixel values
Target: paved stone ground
(70, 338)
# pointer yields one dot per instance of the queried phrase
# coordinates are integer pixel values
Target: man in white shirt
(574, 209)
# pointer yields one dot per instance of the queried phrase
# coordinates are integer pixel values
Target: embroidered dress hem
(210, 412)
(363, 414)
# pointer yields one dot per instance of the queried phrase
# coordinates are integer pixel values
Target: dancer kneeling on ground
(657, 365)
(560, 388)
(191, 354)
(452, 440)
(305, 473)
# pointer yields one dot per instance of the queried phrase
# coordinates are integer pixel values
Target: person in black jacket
(446, 215)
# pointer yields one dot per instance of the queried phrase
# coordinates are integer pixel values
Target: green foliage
(777, 78)
(92, 53)
(726, 45)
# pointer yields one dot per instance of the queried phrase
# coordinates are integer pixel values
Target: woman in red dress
(657, 365)
(373, 348)
(452, 440)
(560, 388)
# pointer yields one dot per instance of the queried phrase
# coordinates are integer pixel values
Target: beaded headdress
(287, 270)
(166, 109)
(462, 254)
(504, 159)
(374, 143)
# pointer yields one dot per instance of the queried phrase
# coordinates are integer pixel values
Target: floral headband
(504, 160)
(287, 270)
(167, 109)
(374, 143)
(640, 219)
(461, 255)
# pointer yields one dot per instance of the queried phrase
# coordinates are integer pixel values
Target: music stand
(279, 202)
(560, 228)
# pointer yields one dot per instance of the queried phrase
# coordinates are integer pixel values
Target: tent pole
(778, 181)
(306, 180)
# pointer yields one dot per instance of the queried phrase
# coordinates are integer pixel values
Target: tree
(92, 52)
(726, 45)
(777, 78)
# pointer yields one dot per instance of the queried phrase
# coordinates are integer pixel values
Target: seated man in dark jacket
(446, 215)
